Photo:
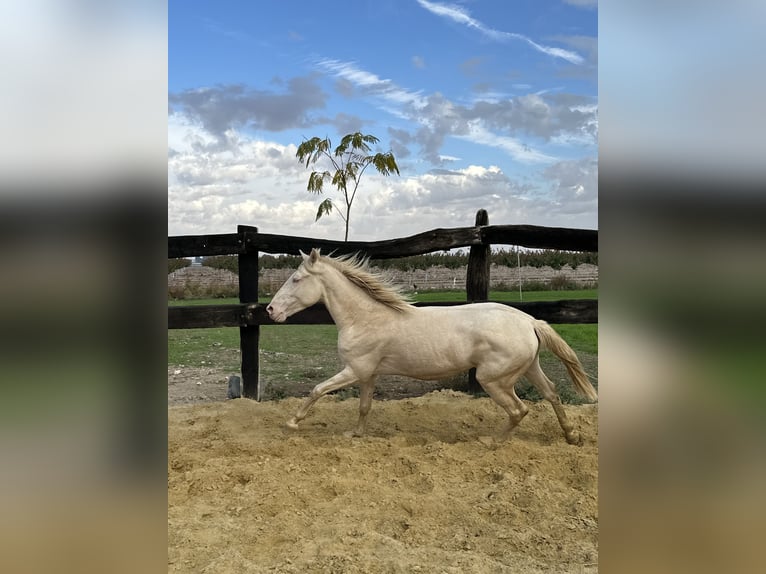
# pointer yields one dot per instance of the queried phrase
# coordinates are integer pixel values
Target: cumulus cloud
(575, 185)
(265, 186)
(544, 116)
(439, 118)
(400, 141)
(222, 108)
(450, 198)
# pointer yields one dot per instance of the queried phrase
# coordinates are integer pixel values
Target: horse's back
(483, 315)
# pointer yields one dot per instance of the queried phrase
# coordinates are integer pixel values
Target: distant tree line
(177, 263)
(508, 257)
(538, 258)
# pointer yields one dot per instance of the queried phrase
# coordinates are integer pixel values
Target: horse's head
(303, 289)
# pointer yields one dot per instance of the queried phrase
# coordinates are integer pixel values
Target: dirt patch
(428, 490)
(188, 385)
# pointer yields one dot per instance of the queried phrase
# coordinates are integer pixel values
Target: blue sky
(485, 104)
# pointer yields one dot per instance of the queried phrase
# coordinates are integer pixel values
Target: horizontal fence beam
(199, 245)
(434, 240)
(207, 316)
(538, 237)
(531, 236)
(241, 315)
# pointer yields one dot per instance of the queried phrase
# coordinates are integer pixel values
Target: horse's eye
(296, 279)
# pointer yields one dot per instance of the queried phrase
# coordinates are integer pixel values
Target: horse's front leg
(366, 390)
(343, 379)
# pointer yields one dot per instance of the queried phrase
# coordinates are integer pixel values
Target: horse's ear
(314, 255)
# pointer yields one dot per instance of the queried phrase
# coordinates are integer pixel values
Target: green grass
(213, 348)
(303, 352)
(510, 296)
(583, 338)
(430, 296)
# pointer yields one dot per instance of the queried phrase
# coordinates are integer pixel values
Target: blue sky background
(485, 104)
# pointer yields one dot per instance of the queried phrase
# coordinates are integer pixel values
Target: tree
(177, 263)
(349, 160)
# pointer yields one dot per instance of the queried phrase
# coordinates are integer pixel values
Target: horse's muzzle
(274, 315)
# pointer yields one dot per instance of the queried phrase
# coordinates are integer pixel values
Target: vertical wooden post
(249, 335)
(477, 282)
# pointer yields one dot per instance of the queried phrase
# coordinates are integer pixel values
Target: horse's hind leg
(502, 392)
(537, 377)
(343, 379)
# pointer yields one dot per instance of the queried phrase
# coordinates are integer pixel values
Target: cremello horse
(381, 333)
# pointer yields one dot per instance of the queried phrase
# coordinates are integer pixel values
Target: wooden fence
(247, 243)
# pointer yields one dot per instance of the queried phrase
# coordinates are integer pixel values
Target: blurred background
(681, 241)
(83, 178)
(83, 118)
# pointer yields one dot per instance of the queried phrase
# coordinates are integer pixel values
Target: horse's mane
(381, 289)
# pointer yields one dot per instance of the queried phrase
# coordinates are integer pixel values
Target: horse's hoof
(292, 424)
(352, 434)
(574, 438)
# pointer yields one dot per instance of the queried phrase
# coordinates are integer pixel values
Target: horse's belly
(425, 372)
(425, 360)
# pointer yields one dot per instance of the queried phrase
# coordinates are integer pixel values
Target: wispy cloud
(562, 119)
(462, 16)
(371, 83)
(519, 151)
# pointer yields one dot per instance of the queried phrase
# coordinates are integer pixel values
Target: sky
(485, 104)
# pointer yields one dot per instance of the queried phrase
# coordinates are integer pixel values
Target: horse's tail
(552, 341)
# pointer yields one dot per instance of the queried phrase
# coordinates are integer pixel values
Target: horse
(380, 332)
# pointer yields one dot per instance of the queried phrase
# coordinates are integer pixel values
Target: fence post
(477, 282)
(249, 335)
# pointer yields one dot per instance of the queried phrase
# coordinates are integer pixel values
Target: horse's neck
(346, 302)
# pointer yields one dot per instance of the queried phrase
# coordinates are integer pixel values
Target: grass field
(307, 353)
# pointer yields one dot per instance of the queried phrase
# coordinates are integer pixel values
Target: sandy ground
(428, 490)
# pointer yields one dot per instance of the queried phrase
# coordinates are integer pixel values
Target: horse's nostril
(269, 309)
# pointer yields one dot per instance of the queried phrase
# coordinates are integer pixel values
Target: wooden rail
(244, 314)
(247, 243)
(531, 236)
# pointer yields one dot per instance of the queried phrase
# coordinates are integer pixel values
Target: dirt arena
(428, 490)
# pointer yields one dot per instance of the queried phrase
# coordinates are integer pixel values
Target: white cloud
(462, 16)
(493, 119)
(265, 186)
(519, 151)
(575, 185)
(371, 83)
